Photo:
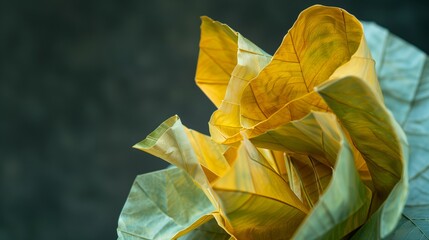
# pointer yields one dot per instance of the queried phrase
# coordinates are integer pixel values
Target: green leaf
(414, 224)
(163, 205)
(382, 143)
(403, 72)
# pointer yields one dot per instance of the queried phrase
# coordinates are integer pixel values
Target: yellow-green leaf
(380, 139)
(345, 204)
(318, 137)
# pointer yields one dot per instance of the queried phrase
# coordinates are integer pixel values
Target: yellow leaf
(313, 177)
(217, 58)
(301, 144)
(256, 200)
(225, 122)
(209, 154)
(324, 44)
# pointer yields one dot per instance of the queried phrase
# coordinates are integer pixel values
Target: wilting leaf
(163, 205)
(403, 72)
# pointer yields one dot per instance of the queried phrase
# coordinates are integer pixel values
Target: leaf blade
(319, 136)
(253, 208)
(381, 141)
(304, 60)
(154, 208)
(404, 77)
(216, 59)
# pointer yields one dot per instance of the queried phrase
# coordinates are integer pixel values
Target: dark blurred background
(82, 81)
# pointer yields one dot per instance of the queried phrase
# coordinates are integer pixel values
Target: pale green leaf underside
(414, 224)
(403, 72)
(162, 204)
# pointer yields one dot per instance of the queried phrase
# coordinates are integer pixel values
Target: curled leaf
(216, 60)
(302, 145)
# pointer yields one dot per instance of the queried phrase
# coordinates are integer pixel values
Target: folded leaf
(321, 40)
(209, 154)
(256, 200)
(277, 161)
(225, 122)
(320, 135)
(182, 147)
(303, 146)
(306, 136)
(283, 91)
(216, 60)
(163, 205)
(345, 204)
(194, 152)
(207, 231)
(376, 134)
(170, 142)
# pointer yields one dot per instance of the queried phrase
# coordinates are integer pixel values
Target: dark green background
(82, 81)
